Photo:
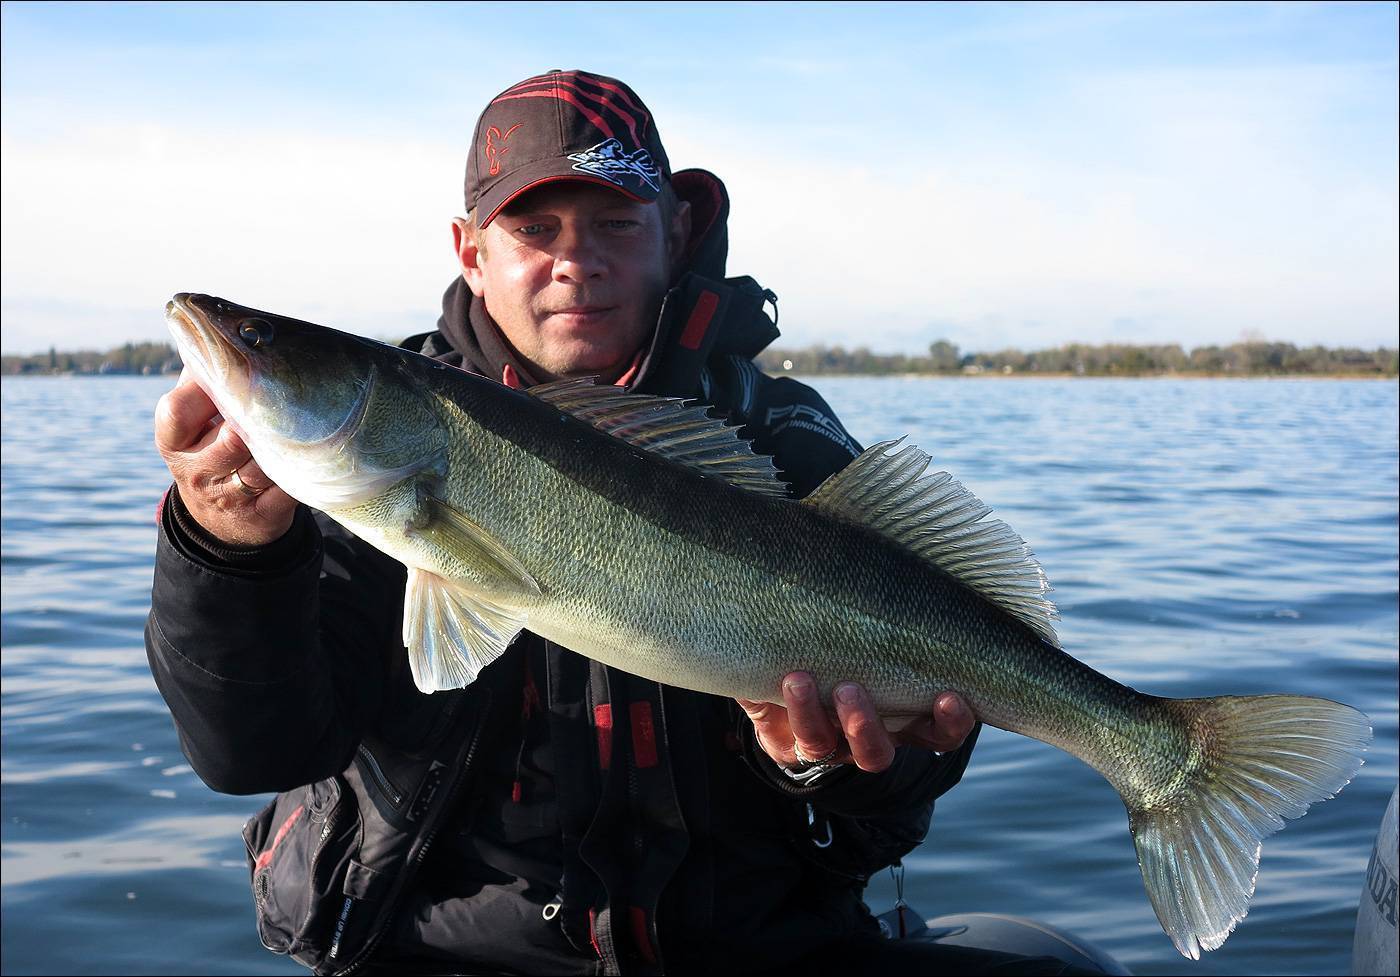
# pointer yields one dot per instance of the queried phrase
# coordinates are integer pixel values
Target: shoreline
(986, 375)
(994, 375)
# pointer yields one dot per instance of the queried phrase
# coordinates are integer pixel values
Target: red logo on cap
(494, 152)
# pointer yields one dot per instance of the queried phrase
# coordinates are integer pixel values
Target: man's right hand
(202, 453)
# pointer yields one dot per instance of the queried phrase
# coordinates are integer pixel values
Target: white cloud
(1156, 206)
(102, 224)
(1171, 206)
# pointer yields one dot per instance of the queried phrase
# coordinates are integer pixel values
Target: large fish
(644, 534)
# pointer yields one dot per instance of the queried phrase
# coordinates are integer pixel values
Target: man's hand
(862, 739)
(203, 453)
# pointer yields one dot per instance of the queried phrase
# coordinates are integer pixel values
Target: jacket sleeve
(792, 422)
(273, 662)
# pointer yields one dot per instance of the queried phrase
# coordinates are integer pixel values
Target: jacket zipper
(326, 830)
(411, 869)
(378, 773)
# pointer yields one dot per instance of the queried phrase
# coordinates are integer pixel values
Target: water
(1203, 537)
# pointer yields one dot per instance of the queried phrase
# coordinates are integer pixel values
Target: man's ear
(678, 234)
(468, 253)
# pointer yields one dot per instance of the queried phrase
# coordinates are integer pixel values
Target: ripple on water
(1204, 538)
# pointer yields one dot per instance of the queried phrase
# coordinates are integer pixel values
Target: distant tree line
(127, 358)
(1076, 359)
(1250, 358)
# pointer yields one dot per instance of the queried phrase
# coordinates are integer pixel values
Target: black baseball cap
(563, 125)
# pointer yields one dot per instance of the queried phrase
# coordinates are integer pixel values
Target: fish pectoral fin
(451, 634)
(452, 531)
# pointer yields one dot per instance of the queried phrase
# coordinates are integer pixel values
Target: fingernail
(952, 706)
(799, 690)
(848, 694)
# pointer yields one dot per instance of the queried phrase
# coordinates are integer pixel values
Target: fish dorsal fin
(668, 426)
(451, 634)
(888, 489)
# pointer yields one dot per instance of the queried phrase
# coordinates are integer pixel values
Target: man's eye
(530, 230)
(622, 224)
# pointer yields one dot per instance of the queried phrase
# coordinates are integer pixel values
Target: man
(557, 816)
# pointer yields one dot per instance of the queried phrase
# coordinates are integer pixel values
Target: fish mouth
(219, 364)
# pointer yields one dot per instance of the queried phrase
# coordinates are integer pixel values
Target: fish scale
(641, 533)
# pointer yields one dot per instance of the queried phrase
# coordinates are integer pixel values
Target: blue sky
(992, 174)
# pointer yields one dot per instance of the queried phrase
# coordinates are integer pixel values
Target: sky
(990, 174)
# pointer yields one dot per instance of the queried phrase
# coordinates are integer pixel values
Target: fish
(644, 533)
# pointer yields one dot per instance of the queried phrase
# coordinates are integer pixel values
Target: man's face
(574, 274)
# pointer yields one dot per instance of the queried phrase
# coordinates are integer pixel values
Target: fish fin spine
(889, 489)
(1252, 762)
(678, 430)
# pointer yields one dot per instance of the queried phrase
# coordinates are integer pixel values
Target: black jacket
(556, 816)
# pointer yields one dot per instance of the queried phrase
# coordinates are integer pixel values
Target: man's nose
(578, 256)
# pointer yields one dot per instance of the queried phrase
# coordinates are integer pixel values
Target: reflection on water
(1204, 537)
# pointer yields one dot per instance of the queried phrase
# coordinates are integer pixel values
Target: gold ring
(243, 486)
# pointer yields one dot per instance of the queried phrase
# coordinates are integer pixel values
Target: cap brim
(497, 197)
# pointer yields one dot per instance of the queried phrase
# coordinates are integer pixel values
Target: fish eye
(255, 332)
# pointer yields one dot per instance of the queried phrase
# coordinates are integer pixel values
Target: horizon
(994, 176)
(779, 345)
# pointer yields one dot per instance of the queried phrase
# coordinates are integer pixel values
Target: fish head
(331, 417)
(281, 377)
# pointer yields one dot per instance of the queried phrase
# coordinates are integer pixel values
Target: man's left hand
(861, 738)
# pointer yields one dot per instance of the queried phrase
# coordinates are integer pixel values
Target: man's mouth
(584, 314)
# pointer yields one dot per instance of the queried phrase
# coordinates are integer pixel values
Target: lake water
(1203, 537)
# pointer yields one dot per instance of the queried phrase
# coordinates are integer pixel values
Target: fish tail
(1250, 762)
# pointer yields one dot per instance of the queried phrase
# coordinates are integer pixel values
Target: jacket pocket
(301, 848)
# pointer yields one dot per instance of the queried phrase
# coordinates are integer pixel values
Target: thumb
(760, 713)
(771, 728)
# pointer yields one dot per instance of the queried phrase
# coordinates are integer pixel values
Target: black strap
(702, 318)
(571, 700)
